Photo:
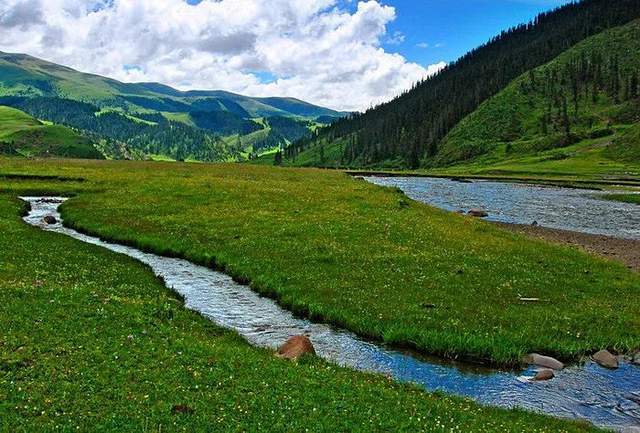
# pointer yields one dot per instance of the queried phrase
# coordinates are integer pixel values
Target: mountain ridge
(153, 120)
(407, 132)
(35, 66)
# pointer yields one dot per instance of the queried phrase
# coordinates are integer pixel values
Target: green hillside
(588, 95)
(413, 130)
(150, 119)
(578, 116)
(23, 75)
(21, 134)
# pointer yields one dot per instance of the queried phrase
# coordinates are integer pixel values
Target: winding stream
(519, 203)
(607, 398)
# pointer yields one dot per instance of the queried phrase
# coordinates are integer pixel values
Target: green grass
(179, 117)
(626, 147)
(12, 121)
(26, 136)
(625, 198)
(588, 160)
(92, 341)
(365, 258)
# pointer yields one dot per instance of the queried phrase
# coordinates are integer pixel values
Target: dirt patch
(626, 251)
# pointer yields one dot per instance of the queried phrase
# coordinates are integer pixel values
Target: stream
(554, 207)
(607, 398)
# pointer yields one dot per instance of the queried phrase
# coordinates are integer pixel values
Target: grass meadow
(340, 250)
(92, 341)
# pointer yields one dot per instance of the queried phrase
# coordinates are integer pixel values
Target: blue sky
(453, 27)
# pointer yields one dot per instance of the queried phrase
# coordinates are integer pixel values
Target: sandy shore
(623, 250)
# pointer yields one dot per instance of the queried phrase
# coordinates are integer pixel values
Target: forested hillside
(588, 93)
(21, 134)
(410, 130)
(151, 120)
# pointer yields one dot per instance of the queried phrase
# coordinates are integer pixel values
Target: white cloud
(316, 50)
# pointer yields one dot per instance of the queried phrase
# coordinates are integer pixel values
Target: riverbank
(549, 180)
(92, 341)
(264, 324)
(440, 283)
(625, 198)
(626, 251)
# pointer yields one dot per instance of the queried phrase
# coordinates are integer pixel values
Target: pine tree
(278, 158)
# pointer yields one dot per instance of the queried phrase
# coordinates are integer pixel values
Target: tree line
(174, 139)
(410, 128)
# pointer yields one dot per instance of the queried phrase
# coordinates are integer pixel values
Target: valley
(461, 255)
(308, 263)
(153, 121)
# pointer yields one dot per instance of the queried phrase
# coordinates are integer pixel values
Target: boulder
(605, 359)
(478, 213)
(50, 219)
(296, 347)
(543, 361)
(636, 359)
(544, 374)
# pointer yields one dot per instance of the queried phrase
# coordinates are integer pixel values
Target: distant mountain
(21, 134)
(152, 119)
(23, 75)
(411, 131)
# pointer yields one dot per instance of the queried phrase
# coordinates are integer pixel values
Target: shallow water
(604, 397)
(517, 203)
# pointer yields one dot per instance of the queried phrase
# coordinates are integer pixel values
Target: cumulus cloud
(315, 50)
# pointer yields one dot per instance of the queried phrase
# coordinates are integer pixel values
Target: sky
(343, 54)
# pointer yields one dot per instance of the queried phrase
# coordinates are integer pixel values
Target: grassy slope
(30, 137)
(588, 160)
(513, 116)
(625, 198)
(67, 362)
(28, 76)
(368, 259)
(12, 121)
(21, 72)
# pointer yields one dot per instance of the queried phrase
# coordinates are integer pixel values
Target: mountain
(411, 130)
(23, 75)
(21, 134)
(152, 119)
(590, 92)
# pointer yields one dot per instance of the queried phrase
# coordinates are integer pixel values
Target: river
(520, 203)
(607, 398)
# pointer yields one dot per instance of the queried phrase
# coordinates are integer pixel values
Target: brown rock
(478, 213)
(49, 219)
(544, 374)
(296, 347)
(605, 359)
(181, 409)
(543, 361)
